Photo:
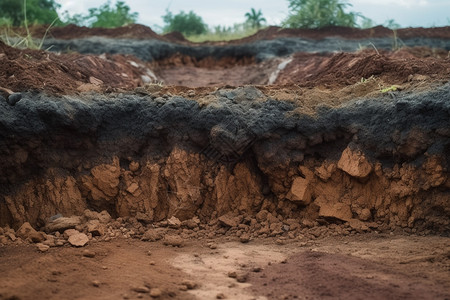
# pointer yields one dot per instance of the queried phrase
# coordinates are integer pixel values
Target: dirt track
(287, 165)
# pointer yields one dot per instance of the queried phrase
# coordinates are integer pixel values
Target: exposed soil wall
(376, 163)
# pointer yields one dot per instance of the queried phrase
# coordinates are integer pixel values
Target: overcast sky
(408, 13)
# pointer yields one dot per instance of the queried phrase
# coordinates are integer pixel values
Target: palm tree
(255, 18)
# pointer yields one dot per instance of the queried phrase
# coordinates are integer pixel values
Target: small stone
(232, 274)
(41, 247)
(96, 283)
(229, 220)
(212, 246)
(69, 232)
(88, 253)
(155, 293)
(104, 217)
(141, 289)
(256, 269)
(151, 235)
(134, 166)
(95, 228)
(242, 277)
(245, 238)
(174, 222)
(173, 240)
(27, 232)
(189, 284)
(62, 223)
(14, 98)
(220, 296)
(11, 236)
(78, 240)
(143, 218)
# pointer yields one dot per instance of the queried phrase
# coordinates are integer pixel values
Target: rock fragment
(78, 240)
(95, 228)
(88, 253)
(190, 285)
(174, 222)
(300, 191)
(173, 240)
(155, 293)
(151, 235)
(26, 231)
(141, 289)
(41, 247)
(63, 223)
(354, 163)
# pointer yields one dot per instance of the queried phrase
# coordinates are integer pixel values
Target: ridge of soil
(37, 70)
(137, 31)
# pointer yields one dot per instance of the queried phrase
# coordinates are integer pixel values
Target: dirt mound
(32, 70)
(274, 32)
(137, 31)
(349, 68)
(134, 31)
(175, 36)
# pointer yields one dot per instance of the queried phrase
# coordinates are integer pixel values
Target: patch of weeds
(364, 80)
(16, 40)
(392, 88)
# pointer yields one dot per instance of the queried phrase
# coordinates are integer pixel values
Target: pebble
(88, 253)
(41, 247)
(141, 289)
(189, 284)
(173, 240)
(78, 240)
(245, 238)
(232, 274)
(242, 277)
(155, 293)
(96, 283)
(220, 296)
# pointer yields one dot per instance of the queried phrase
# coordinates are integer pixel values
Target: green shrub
(319, 13)
(186, 23)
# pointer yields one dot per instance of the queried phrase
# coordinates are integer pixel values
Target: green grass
(219, 37)
(13, 39)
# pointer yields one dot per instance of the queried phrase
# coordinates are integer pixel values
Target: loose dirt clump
(41, 71)
(346, 69)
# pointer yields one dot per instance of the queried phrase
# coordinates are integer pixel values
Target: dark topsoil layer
(138, 31)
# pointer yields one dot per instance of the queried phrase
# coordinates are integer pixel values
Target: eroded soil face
(287, 165)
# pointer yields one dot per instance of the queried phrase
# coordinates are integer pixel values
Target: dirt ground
(371, 266)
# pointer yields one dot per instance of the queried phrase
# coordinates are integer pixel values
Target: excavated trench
(235, 152)
(377, 162)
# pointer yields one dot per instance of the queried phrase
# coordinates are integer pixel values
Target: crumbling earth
(288, 165)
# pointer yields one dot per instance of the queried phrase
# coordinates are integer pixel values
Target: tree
(38, 11)
(255, 18)
(105, 16)
(319, 13)
(187, 24)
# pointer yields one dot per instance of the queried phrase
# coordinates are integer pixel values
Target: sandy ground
(370, 266)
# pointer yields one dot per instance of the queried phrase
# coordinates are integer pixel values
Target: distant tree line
(302, 14)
